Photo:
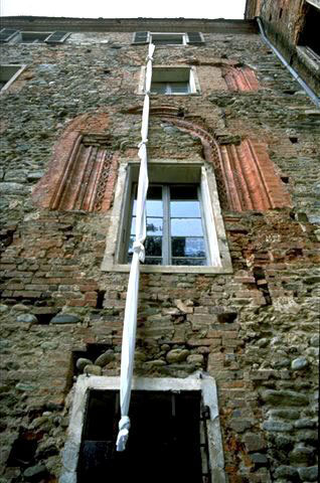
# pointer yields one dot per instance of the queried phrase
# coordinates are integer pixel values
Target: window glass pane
(186, 227)
(154, 208)
(153, 245)
(154, 202)
(188, 247)
(185, 209)
(189, 261)
(133, 226)
(158, 40)
(154, 226)
(185, 242)
(130, 248)
(179, 87)
(34, 37)
(183, 192)
(158, 87)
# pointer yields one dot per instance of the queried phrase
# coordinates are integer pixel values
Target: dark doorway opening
(165, 443)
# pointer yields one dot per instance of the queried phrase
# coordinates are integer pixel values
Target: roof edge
(73, 24)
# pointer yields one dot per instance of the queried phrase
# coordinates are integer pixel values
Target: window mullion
(166, 251)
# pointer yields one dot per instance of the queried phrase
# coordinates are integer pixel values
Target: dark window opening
(167, 431)
(309, 36)
(33, 37)
(280, 12)
(165, 39)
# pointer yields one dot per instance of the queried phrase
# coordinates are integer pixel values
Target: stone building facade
(70, 130)
(292, 27)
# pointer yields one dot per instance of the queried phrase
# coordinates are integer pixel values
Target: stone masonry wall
(255, 331)
(284, 22)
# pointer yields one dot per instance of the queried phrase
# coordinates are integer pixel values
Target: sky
(125, 8)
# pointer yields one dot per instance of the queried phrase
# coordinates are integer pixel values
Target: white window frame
(169, 74)
(184, 38)
(219, 260)
(197, 382)
(9, 73)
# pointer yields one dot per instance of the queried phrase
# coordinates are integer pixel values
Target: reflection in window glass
(185, 208)
(170, 88)
(186, 227)
(188, 247)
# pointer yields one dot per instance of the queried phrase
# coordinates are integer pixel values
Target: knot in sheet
(131, 308)
(139, 249)
(124, 426)
(144, 142)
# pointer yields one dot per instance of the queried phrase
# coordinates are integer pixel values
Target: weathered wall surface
(284, 22)
(255, 331)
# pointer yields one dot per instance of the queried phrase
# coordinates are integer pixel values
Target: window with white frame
(172, 421)
(17, 36)
(168, 38)
(185, 231)
(168, 80)
(176, 233)
(8, 74)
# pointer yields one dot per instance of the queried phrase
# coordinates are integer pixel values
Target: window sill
(309, 58)
(195, 269)
(176, 94)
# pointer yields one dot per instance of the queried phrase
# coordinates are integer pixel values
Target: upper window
(8, 74)
(175, 226)
(16, 36)
(168, 38)
(171, 80)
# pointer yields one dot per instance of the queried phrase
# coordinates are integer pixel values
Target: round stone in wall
(82, 362)
(93, 370)
(65, 319)
(299, 363)
(105, 358)
(27, 318)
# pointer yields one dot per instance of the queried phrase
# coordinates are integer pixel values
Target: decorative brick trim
(246, 177)
(250, 178)
(241, 79)
(78, 174)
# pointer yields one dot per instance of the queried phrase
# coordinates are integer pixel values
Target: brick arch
(246, 176)
(82, 171)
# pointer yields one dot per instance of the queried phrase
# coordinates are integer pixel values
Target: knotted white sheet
(131, 308)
